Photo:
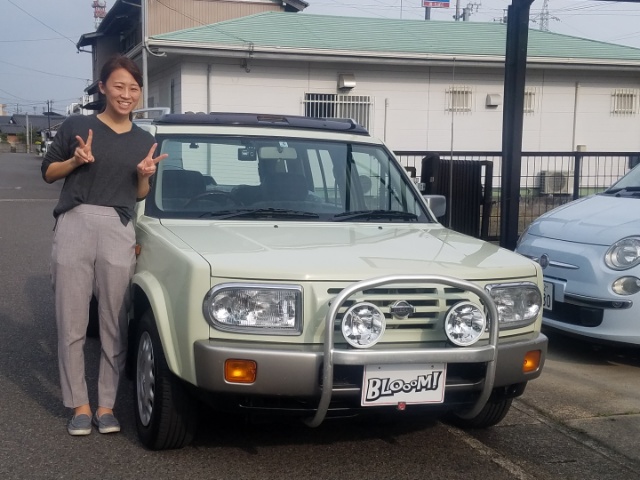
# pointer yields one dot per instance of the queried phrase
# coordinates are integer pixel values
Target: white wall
(410, 102)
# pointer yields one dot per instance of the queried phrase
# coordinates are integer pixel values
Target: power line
(41, 22)
(43, 72)
(32, 40)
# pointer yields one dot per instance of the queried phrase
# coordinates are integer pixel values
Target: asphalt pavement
(579, 420)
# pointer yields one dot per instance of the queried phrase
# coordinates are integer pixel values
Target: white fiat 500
(589, 250)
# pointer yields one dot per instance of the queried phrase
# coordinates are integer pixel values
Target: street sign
(428, 4)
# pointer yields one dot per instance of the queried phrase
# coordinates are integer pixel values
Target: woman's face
(122, 92)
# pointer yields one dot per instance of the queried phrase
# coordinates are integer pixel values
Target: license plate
(547, 296)
(411, 384)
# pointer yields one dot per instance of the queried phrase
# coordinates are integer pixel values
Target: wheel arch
(148, 294)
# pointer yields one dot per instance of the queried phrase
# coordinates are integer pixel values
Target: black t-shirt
(112, 179)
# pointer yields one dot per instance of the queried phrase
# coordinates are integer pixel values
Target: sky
(39, 62)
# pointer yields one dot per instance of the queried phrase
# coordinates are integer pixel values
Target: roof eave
(88, 39)
(394, 58)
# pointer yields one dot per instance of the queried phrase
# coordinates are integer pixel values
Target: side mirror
(437, 204)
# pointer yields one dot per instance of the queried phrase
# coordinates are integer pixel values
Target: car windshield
(242, 177)
(630, 183)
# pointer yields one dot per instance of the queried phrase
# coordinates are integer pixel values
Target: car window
(207, 175)
(630, 180)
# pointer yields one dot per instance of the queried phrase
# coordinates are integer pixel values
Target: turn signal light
(531, 361)
(240, 371)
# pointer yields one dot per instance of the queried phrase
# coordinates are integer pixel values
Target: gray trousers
(93, 253)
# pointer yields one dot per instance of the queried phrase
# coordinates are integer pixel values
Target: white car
(289, 264)
(589, 250)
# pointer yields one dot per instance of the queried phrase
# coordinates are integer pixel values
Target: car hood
(598, 220)
(321, 251)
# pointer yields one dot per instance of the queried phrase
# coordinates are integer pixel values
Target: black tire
(93, 328)
(493, 413)
(166, 415)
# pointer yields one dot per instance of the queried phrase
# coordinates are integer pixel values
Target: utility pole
(28, 133)
(49, 102)
(544, 16)
(466, 11)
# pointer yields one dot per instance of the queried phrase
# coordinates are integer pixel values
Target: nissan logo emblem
(401, 309)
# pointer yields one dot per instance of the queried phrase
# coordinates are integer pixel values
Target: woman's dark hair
(120, 61)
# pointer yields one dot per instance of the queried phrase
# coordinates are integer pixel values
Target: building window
(459, 99)
(331, 105)
(529, 100)
(624, 101)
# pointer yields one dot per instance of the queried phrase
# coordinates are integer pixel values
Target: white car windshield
(630, 182)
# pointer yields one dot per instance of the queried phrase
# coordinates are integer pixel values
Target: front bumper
(584, 304)
(295, 370)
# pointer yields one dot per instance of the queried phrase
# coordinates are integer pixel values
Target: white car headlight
(251, 308)
(518, 304)
(623, 254)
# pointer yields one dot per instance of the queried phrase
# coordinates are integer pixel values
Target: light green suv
(290, 264)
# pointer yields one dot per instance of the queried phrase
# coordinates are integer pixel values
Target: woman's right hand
(83, 153)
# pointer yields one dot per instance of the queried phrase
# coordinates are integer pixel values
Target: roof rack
(264, 120)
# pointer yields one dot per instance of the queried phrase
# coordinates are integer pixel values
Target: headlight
(363, 325)
(623, 254)
(262, 309)
(464, 323)
(518, 304)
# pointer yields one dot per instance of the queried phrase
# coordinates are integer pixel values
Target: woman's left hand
(147, 167)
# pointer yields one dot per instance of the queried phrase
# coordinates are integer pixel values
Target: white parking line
(490, 453)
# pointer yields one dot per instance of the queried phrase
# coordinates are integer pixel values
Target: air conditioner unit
(555, 182)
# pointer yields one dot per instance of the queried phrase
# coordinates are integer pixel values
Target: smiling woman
(106, 162)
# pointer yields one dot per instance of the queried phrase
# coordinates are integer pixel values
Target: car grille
(431, 303)
(575, 314)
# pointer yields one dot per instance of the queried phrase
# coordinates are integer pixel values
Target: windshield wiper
(631, 189)
(260, 213)
(374, 214)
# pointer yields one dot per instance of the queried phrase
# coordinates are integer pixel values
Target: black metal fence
(471, 181)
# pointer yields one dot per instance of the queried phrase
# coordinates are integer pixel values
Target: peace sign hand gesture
(83, 153)
(147, 166)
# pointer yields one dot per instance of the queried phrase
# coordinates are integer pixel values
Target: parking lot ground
(580, 420)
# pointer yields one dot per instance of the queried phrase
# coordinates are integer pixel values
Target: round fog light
(363, 325)
(464, 323)
(626, 285)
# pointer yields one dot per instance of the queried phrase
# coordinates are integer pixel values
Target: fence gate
(468, 196)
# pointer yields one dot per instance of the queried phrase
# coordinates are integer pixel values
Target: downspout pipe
(575, 116)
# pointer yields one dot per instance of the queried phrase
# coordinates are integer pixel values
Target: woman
(106, 162)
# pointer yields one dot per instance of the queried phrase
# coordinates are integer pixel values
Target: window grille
(459, 99)
(624, 101)
(331, 105)
(529, 100)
